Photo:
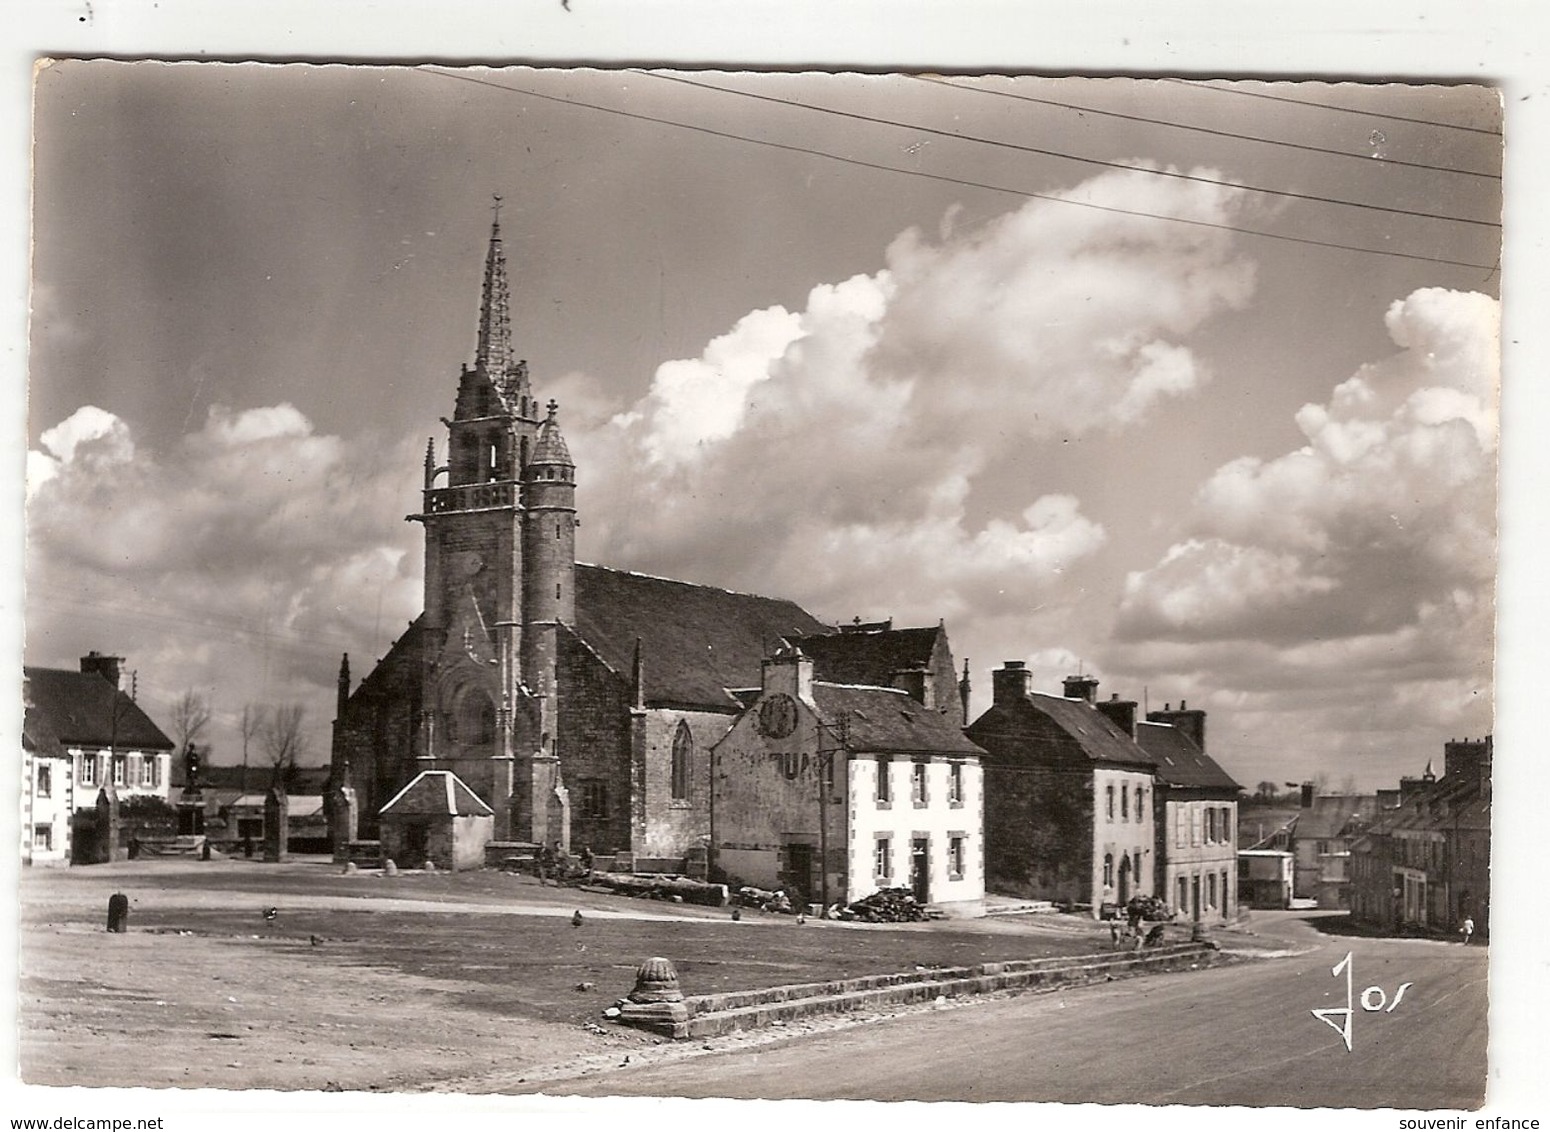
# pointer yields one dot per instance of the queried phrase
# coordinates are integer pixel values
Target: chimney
(1081, 688)
(1464, 756)
(1122, 713)
(1010, 682)
(1307, 795)
(1191, 722)
(789, 671)
(917, 684)
(104, 666)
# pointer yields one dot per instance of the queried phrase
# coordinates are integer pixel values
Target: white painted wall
(902, 820)
(1126, 832)
(46, 810)
(144, 773)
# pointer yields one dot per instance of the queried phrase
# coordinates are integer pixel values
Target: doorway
(920, 869)
(416, 841)
(799, 873)
(1124, 880)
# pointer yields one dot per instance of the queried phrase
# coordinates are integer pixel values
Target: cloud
(243, 560)
(1361, 565)
(836, 453)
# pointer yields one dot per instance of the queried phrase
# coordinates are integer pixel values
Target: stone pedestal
(277, 833)
(343, 819)
(656, 1003)
(108, 850)
(191, 812)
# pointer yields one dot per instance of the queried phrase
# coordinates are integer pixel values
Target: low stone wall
(714, 1014)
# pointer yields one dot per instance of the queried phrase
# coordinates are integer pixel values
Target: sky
(1089, 369)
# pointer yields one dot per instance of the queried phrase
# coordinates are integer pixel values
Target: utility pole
(839, 733)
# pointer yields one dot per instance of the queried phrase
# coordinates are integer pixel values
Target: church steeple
(494, 354)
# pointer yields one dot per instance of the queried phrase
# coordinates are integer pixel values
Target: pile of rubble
(887, 906)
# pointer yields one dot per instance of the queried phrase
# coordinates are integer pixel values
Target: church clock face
(778, 716)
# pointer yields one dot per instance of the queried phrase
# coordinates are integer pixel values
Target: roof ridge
(693, 585)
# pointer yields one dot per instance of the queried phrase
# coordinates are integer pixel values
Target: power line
(1060, 155)
(1302, 146)
(1198, 85)
(956, 180)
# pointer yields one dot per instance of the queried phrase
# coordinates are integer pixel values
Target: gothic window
(594, 798)
(472, 719)
(683, 752)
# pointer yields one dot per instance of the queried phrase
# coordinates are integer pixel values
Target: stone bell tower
(493, 558)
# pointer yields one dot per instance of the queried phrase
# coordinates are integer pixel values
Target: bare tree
(284, 738)
(250, 726)
(190, 717)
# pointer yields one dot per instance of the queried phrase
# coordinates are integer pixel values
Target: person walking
(1467, 929)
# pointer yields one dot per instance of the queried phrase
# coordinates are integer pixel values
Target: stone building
(1196, 816)
(1068, 806)
(840, 789)
(82, 717)
(1425, 863)
(578, 702)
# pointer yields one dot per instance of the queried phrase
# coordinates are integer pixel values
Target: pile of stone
(770, 901)
(886, 906)
(660, 886)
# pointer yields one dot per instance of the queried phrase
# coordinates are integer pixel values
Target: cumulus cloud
(833, 453)
(1363, 560)
(243, 560)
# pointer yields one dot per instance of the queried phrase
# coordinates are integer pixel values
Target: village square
(732, 812)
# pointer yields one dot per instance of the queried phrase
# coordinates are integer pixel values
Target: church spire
(495, 354)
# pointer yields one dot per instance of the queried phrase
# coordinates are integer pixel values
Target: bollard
(118, 912)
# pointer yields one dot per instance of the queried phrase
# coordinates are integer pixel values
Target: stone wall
(594, 747)
(1039, 832)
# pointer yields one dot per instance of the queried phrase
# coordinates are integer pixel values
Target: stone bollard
(389, 869)
(118, 913)
(350, 868)
(656, 1003)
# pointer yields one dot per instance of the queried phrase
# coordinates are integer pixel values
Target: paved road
(1242, 1034)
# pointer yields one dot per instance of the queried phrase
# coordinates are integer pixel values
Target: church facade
(578, 702)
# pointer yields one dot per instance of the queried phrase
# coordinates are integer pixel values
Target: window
(918, 793)
(1124, 802)
(1180, 826)
(882, 858)
(1140, 802)
(1108, 865)
(88, 773)
(150, 770)
(1225, 908)
(1211, 891)
(1227, 832)
(955, 784)
(473, 719)
(1194, 825)
(884, 787)
(43, 837)
(119, 762)
(1183, 894)
(683, 751)
(45, 780)
(594, 798)
(1211, 826)
(1109, 791)
(955, 856)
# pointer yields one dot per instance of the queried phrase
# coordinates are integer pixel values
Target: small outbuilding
(436, 818)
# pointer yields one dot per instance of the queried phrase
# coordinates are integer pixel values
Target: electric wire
(1304, 147)
(997, 143)
(1024, 193)
(1199, 85)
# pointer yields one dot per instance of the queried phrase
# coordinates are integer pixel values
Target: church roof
(1179, 761)
(696, 641)
(549, 446)
(83, 710)
(869, 657)
(887, 720)
(436, 793)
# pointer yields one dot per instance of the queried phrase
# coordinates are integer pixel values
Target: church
(578, 702)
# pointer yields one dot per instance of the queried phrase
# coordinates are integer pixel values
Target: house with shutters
(1195, 814)
(835, 790)
(1068, 796)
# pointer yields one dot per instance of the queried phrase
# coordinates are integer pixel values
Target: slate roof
(1179, 761)
(1331, 814)
(38, 737)
(887, 720)
(79, 708)
(1083, 731)
(868, 657)
(696, 641)
(436, 793)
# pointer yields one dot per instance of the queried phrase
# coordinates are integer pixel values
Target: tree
(284, 738)
(251, 726)
(1265, 792)
(190, 717)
